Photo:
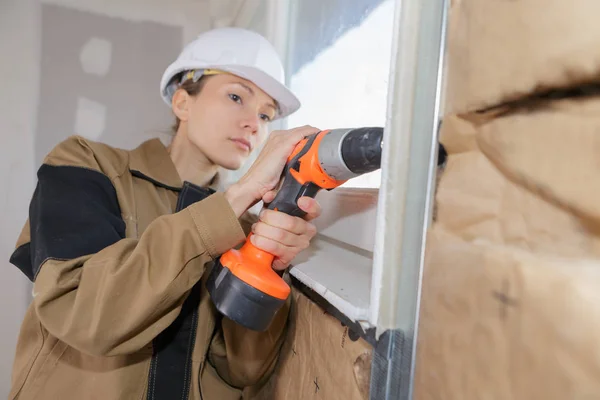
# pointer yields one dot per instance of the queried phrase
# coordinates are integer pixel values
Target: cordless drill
(242, 284)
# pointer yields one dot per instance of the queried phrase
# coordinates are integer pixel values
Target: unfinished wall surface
(510, 306)
(504, 323)
(502, 51)
(321, 358)
(99, 78)
(510, 301)
(19, 74)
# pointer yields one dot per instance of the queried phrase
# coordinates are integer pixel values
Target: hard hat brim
(287, 102)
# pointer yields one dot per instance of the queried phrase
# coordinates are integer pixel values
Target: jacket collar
(151, 161)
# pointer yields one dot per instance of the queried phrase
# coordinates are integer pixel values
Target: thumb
(310, 206)
(269, 196)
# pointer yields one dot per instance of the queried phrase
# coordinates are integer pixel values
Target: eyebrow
(249, 89)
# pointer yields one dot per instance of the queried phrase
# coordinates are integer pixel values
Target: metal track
(405, 207)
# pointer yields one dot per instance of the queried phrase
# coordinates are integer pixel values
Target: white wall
(20, 50)
(193, 15)
(19, 72)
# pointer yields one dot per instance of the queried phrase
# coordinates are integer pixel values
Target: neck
(191, 164)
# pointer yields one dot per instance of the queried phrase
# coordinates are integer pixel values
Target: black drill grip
(291, 190)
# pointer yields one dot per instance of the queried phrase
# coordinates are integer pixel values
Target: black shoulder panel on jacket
(21, 257)
(74, 212)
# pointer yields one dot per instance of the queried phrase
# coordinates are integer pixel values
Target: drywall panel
(100, 78)
(19, 74)
(194, 16)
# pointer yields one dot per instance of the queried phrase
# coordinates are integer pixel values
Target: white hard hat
(240, 52)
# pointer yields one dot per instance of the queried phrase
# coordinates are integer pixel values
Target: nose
(251, 122)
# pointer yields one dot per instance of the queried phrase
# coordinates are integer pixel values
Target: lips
(243, 143)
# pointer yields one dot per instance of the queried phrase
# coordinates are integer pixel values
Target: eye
(235, 98)
(265, 117)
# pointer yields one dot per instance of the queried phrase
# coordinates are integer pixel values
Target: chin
(231, 165)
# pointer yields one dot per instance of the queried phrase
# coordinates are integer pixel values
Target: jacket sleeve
(98, 291)
(247, 220)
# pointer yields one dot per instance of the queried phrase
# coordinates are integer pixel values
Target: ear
(181, 104)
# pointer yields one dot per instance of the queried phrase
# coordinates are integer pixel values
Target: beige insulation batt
(511, 290)
(501, 323)
(500, 50)
(529, 178)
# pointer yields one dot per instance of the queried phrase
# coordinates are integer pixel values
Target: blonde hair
(193, 89)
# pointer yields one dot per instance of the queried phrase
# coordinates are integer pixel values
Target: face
(226, 120)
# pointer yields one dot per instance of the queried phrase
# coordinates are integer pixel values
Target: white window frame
(339, 264)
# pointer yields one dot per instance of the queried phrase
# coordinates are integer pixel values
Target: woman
(119, 243)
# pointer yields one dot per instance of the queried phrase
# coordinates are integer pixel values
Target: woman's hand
(264, 174)
(285, 236)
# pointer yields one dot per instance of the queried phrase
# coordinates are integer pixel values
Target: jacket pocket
(42, 368)
(29, 348)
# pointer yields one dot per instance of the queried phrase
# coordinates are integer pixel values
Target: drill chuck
(348, 153)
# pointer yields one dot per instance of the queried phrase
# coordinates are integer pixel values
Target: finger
(269, 196)
(281, 236)
(283, 221)
(310, 206)
(273, 247)
(297, 134)
(280, 265)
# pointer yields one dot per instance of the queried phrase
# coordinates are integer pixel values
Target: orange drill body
(309, 168)
(253, 265)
